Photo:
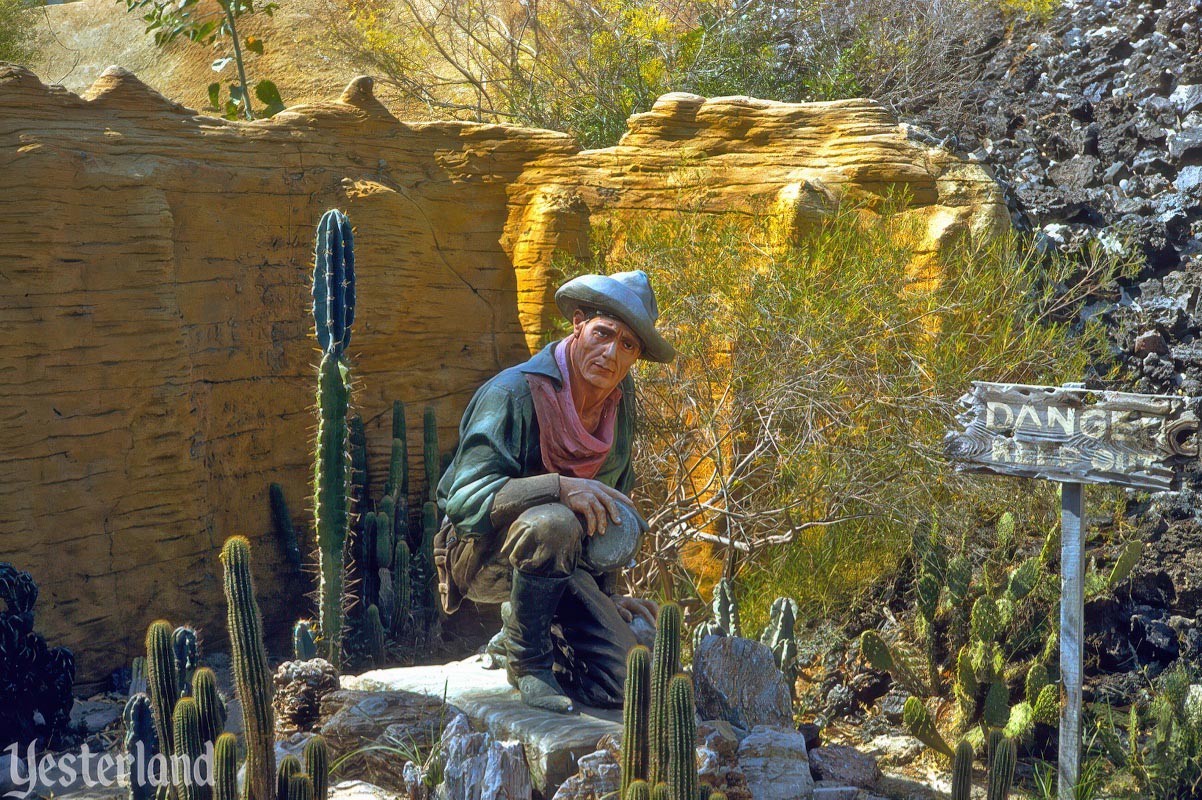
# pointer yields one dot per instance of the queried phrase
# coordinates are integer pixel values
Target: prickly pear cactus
(918, 721)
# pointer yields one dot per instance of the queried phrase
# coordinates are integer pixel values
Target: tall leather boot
(533, 602)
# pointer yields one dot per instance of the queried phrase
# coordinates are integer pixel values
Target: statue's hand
(592, 500)
(630, 607)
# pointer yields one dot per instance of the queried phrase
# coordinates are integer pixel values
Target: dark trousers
(591, 638)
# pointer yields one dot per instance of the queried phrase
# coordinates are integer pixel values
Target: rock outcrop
(157, 373)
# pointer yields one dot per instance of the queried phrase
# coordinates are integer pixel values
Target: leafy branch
(171, 19)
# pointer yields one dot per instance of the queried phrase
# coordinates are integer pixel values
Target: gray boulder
(737, 680)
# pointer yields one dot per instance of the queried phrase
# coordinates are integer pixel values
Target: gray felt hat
(625, 295)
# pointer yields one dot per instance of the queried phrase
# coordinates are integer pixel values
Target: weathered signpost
(1075, 436)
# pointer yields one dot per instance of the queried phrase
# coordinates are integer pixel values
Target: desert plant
(917, 720)
(682, 735)
(317, 766)
(1001, 770)
(304, 646)
(189, 746)
(665, 664)
(252, 678)
(208, 703)
(141, 744)
(281, 523)
(162, 682)
(780, 636)
(635, 711)
(225, 767)
(333, 313)
(962, 772)
(289, 767)
(300, 787)
(187, 657)
(375, 628)
(170, 19)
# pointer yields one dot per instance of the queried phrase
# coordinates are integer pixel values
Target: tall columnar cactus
(665, 664)
(281, 523)
(375, 632)
(398, 462)
(779, 634)
(637, 705)
(208, 703)
(333, 313)
(300, 787)
(252, 678)
(682, 740)
(356, 440)
(225, 767)
(962, 772)
(304, 646)
(384, 544)
(639, 790)
(660, 791)
(430, 451)
(162, 682)
(317, 766)
(424, 598)
(726, 608)
(187, 657)
(402, 586)
(141, 743)
(289, 766)
(1001, 770)
(188, 744)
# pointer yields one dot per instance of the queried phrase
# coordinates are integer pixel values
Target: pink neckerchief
(567, 448)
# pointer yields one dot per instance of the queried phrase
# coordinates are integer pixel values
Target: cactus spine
(1001, 770)
(141, 743)
(962, 772)
(304, 646)
(665, 664)
(635, 745)
(251, 675)
(289, 766)
(299, 788)
(225, 768)
(208, 703)
(317, 766)
(333, 313)
(682, 740)
(162, 682)
(188, 745)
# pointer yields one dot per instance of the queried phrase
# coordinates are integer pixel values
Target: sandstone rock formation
(158, 366)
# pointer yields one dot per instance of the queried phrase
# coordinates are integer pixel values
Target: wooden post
(1072, 634)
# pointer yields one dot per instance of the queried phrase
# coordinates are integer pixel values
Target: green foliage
(1037, 679)
(1047, 705)
(172, 19)
(317, 766)
(917, 719)
(897, 660)
(825, 504)
(252, 677)
(635, 719)
(18, 33)
(779, 634)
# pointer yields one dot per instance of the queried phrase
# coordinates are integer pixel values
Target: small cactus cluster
(181, 712)
(35, 680)
(725, 608)
(1001, 756)
(659, 727)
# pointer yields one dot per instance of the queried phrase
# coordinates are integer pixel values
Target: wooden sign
(1075, 435)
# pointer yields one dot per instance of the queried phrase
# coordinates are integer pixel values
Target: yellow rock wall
(158, 364)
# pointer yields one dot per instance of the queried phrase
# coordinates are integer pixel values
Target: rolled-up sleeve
(489, 454)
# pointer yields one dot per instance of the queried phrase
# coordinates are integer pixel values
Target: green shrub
(799, 431)
(18, 32)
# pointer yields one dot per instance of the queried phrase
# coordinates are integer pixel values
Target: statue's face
(604, 351)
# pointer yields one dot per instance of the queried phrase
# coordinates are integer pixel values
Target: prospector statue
(535, 499)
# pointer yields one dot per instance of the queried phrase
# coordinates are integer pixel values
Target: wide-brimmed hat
(625, 295)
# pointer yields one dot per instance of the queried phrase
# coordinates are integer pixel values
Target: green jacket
(499, 440)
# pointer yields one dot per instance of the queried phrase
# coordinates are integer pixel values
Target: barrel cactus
(317, 766)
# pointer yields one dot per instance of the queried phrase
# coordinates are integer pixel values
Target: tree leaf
(254, 44)
(215, 96)
(269, 96)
